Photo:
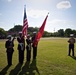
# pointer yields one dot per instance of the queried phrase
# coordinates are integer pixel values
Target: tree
(14, 31)
(16, 28)
(31, 30)
(68, 32)
(74, 32)
(3, 33)
(46, 34)
(61, 33)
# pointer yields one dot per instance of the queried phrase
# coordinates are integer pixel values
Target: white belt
(21, 44)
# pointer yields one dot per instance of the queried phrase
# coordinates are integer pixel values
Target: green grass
(51, 59)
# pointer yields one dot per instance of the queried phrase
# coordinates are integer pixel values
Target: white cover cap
(34, 32)
(20, 32)
(9, 36)
(71, 34)
(28, 35)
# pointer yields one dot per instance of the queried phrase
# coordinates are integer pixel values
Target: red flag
(25, 24)
(40, 32)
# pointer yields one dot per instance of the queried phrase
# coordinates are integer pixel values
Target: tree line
(15, 30)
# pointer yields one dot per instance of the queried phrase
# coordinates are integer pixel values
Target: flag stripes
(25, 24)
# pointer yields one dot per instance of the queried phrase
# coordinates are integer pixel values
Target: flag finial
(48, 13)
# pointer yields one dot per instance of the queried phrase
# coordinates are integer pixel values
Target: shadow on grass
(25, 69)
(73, 57)
(33, 68)
(16, 70)
(4, 71)
(29, 69)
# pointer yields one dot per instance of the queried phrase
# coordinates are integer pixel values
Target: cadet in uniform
(28, 48)
(21, 47)
(71, 42)
(9, 46)
(34, 46)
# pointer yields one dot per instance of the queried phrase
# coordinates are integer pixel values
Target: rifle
(14, 37)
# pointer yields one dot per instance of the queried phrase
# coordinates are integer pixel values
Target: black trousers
(34, 52)
(71, 48)
(21, 56)
(28, 54)
(9, 58)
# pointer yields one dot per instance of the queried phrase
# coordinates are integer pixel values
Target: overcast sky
(62, 13)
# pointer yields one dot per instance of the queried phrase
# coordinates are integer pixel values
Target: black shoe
(72, 55)
(9, 64)
(68, 55)
(28, 60)
(34, 58)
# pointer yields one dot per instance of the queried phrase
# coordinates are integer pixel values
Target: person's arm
(18, 39)
(74, 40)
(69, 41)
(24, 43)
(6, 44)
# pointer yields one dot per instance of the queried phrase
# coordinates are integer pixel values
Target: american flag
(25, 24)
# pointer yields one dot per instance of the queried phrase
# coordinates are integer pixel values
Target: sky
(62, 13)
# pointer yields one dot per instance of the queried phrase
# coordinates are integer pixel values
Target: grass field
(52, 59)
